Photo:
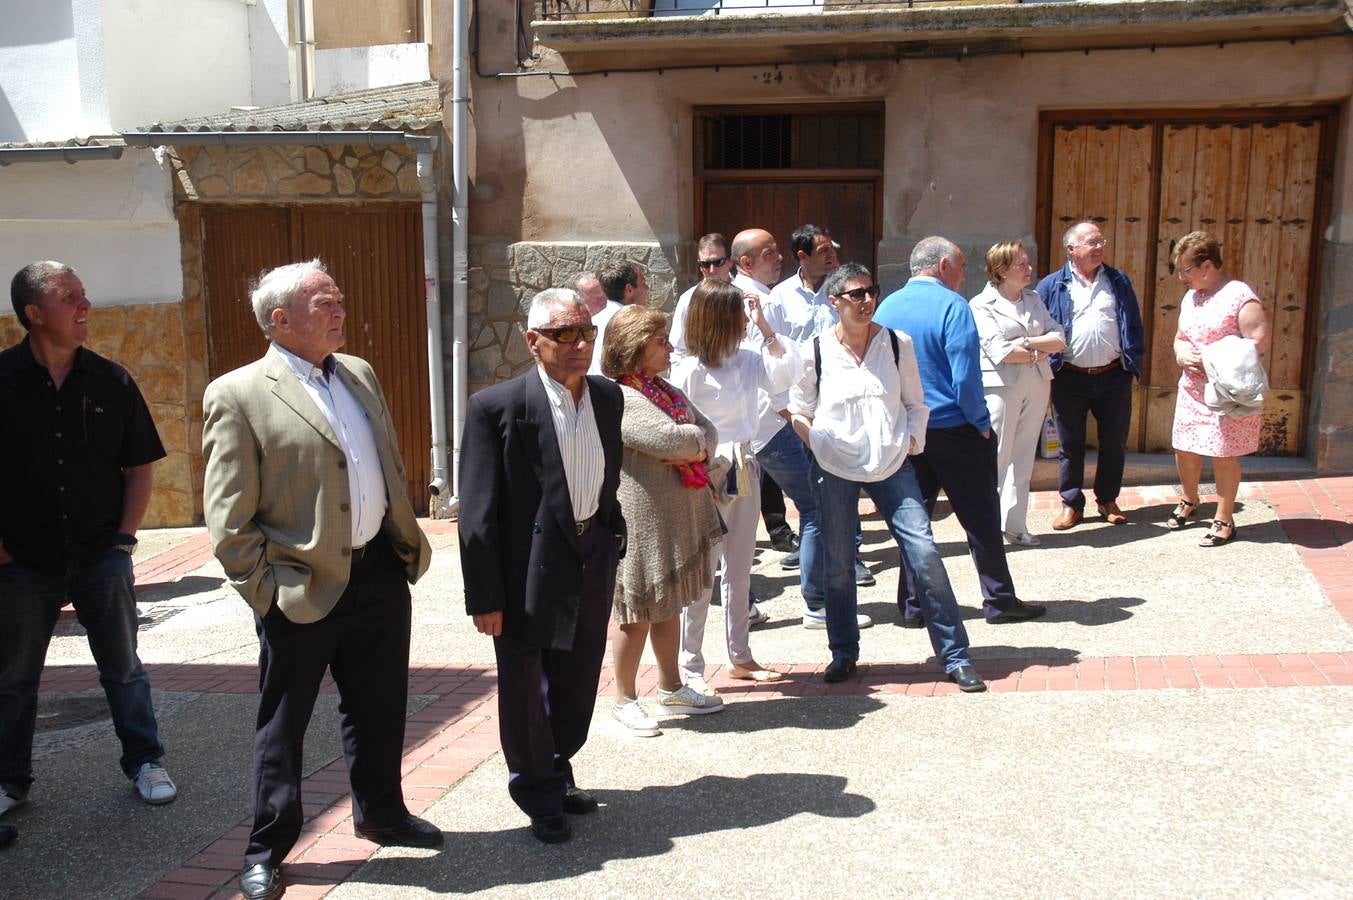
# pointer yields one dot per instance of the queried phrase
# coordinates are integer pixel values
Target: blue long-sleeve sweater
(947, 350)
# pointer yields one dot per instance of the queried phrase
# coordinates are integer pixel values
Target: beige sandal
(759, 674)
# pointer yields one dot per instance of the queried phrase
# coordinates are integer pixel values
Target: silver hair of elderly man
(928, 252)
(276, 287)
(544, 305)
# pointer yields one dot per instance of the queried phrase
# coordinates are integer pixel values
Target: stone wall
(1329, 437)
(148, 340)
(503, 276)
(287, 173)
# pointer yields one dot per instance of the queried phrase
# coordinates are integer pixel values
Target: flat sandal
(1214, 538)
(1180, 517)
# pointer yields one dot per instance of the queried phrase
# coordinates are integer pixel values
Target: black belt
(1093, 370)
(584, 525)
(359, 553)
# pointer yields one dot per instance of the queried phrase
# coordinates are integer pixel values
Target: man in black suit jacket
(541, 535)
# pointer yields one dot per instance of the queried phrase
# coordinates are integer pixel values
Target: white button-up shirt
(866, 414)
(600, 320)
(728, 394)
(347, 418)
(798, 312)
(575, 427)
(1094, 339)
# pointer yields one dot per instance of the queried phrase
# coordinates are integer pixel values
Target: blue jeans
(898, 498)
(786, 459)
(30, 603)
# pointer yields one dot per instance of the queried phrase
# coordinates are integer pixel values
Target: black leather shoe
(916, 622)
(1019, 612)
(413, 832)
(785, 541)
(7, 835)
(967, 679)
(839, 670)
(261, 882)
(579, 802)
(551, 829)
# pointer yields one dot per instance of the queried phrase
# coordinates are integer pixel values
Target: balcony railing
(564, 10)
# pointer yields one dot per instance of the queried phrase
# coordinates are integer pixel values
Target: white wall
(170, 59)
(270, 53)
(51, 70)
(354, 68)
(113, 220)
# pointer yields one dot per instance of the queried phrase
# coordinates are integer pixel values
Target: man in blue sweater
(960, 450)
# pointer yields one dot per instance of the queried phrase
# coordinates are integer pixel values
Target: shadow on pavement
(778, 712)
(631, 824)
(160, 591)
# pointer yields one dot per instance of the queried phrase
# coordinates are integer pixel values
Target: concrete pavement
(1179, 722)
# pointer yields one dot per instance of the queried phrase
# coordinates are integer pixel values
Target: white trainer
(684, 701)
(154, 785)
(816, 619)
(635, 720)
(7, 802)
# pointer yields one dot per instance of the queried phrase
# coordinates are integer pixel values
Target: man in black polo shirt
(76, 459)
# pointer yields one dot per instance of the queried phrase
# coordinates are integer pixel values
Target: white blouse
(728, 395)
(864, 415)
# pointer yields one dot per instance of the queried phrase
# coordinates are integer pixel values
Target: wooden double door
(1256, 179)
(375, 254)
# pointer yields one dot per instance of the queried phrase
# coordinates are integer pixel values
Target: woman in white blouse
(861, 410)
(724, 380)
(1017, 334)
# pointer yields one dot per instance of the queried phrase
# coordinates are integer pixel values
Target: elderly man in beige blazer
(307, 510)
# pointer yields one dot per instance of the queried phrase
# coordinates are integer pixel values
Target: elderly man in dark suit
(306, 505)
(540, 537)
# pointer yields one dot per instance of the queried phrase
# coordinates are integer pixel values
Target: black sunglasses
(569, 335)
(711, 263)
(858, 295)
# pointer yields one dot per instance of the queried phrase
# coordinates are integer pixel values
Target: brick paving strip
(458, 731)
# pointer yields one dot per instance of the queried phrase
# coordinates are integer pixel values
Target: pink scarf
(664, 396)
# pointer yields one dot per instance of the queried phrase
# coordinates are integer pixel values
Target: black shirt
(62, 456)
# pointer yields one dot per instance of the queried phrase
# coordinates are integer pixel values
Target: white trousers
(1017, 413)
(735, 558)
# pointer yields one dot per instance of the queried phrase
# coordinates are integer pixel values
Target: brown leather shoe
(1067, 518)
(1112, 514)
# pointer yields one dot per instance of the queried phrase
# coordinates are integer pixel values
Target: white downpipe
(460, 152)
(304, 49)
(427, 186)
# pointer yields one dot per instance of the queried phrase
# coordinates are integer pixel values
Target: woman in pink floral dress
(1214, 307)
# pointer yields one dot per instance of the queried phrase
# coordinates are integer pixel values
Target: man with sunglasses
(713, 260)
(541, 535)
(960, 449)
(1097, 308)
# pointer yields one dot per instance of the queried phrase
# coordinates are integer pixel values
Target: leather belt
(359, 552)
(1093, 370)
(584, 525)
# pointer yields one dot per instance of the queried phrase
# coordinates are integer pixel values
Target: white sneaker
(636, 721)
(7, 802)
(1023, 539)
(686, 701)
(757, 616)
(153, 784)
(816, 619)
(700, 686)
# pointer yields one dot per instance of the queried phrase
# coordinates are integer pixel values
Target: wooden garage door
(374, 253)
(1252, 178)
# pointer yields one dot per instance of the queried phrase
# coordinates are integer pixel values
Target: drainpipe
(427, 186)
(303, 17)
(460, 151)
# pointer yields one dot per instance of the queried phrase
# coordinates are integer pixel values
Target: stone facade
(291, 173)
(1329, 438)
(148, 340)
(504, 276)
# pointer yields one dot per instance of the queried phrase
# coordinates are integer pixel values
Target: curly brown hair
(1195, 247)
(628, 332)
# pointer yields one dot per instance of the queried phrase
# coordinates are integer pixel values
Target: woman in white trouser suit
(724, 378)
(1017, 334)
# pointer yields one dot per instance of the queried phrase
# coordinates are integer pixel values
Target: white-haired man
(307, 509)
(541, 535)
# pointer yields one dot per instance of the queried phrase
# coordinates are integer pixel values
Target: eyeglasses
(858, 295)
(569, 335)
(1183, 271)
(1095, 244)
(711, 263)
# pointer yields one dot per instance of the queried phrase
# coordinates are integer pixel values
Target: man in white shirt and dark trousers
(1097, 309)
(624, 284)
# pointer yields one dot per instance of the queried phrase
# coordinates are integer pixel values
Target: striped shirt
(575, 427)
(343, 412)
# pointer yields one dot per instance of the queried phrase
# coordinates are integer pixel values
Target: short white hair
(276, 288)
(928, 252)
(1072, 235)
(544, 305)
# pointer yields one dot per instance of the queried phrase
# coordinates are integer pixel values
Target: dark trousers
(546, 697)
(772, 505)
(963, 463)
(1108, 397)
(364, 643)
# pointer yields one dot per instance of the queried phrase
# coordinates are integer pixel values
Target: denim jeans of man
(30, 604)
(898, 498)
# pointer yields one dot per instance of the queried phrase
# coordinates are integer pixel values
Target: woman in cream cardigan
(1017, 334)
(674, 530)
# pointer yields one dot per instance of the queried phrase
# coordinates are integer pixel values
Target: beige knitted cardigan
(673, 529)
